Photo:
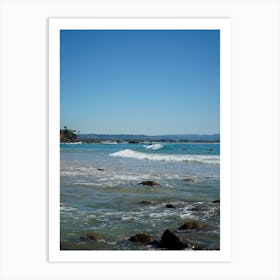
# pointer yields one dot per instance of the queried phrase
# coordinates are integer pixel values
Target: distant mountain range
(165, 138)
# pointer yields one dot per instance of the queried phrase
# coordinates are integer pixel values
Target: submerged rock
(216, 201)
(100, 169)
(149, 183)
(143, 238)
(195, 225)
(188, 180)
(170, 206)
(91, 236)
(172, 241)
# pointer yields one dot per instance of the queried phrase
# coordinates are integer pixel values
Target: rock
(91, 236)
(149, 183)
(170, 206)
(195, 225)
(143, 238)
(188, 180)
(172, 241)
(100, 169)
(216, 201)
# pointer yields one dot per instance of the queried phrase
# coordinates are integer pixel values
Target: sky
(150, 82)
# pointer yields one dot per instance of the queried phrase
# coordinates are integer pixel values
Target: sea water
(100, 193)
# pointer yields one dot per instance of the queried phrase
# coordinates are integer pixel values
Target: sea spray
(154, 146)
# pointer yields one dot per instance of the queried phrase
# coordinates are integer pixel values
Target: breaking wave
(153, 146)
(127, 153)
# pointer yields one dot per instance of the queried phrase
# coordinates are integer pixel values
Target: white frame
(24, 169)
(222, 24)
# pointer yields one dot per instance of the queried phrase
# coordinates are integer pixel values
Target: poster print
(140, 153)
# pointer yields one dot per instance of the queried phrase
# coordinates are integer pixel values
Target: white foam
(165, 157)
(110, 142)
(153, 146)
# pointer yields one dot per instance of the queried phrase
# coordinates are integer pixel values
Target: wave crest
(165, 157)
(153, 146)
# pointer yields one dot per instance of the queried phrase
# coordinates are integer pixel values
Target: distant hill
(171, 138)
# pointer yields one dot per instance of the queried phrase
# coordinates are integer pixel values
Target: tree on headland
(68, 135)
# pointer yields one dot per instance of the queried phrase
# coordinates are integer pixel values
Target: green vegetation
(68, 135)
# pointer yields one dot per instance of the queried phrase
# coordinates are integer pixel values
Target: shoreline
(94, 141)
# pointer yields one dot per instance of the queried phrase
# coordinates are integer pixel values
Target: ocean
(103, 204)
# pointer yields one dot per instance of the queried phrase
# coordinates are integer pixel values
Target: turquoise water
(110, 203)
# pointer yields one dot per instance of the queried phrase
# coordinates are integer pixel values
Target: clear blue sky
(140, 82)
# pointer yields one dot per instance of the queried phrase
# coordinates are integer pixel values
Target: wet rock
(143, 238)
(149, 183)
(195, 225)
(100, 169)
(188, 180)
(91, 236)
(172, 241)
(170, 206)
(216, 201)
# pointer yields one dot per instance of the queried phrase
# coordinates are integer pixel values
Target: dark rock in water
(188, 180)
(143, 238)
(170, 206)
(149, 183)
(172, 241)
(195, 225)
(216, 201)
(91, 236)
(100, 169)
(133, 142)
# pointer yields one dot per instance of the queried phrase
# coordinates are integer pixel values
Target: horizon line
(173, 134)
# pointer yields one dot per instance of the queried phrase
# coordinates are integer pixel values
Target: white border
(222, 24)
